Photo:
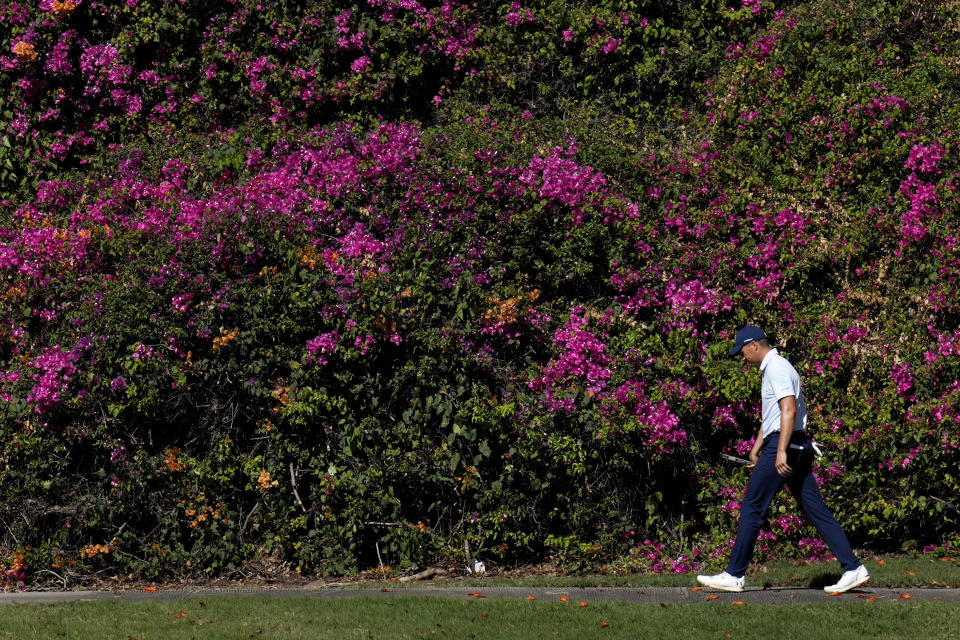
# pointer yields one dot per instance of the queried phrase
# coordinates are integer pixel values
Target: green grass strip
(891, 572)
(358, 618)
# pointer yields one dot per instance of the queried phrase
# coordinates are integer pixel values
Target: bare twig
(383, 571)
(12, 534)
(62, 577)
(426, 574)
(946, 503)
(246, 521)
(293, 483)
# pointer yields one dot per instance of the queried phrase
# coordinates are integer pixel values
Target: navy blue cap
(746, 336)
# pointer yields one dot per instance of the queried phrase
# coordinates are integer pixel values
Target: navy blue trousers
(764, 484)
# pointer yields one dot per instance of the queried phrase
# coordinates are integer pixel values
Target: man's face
(751, 352)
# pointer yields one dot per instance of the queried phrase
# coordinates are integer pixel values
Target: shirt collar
(766, 359)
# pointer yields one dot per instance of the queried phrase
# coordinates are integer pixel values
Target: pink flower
(55, 368)
(580, 365)
(182, 302)
(744, 447)
(325, 343)
(565, 181)
(925, 158)
(902, 377)
(360, 64)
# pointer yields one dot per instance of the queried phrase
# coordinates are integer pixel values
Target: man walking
(782, 454)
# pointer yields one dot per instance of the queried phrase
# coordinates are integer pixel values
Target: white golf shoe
(849, 580)
(723, 581)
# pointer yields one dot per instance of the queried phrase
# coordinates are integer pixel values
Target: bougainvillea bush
(401, 282)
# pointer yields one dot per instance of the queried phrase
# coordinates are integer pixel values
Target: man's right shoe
(723, 581)
(849, 580)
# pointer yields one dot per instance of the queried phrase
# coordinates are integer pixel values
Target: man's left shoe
(849, 580)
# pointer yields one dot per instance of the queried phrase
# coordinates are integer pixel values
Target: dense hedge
(331, 281)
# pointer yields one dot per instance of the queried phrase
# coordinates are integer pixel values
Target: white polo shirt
(780, 380)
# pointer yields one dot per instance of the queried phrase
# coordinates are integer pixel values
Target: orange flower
(173, 464)
(24, 51)
(264, 482)
(14, 291)
(502, 311)
(308, 258)
(60, 8)
(92, 550)
(225, 337)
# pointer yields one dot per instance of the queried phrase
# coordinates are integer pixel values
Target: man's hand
(755, 451)
(782, 467)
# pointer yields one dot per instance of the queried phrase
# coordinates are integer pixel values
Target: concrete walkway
(572, 595)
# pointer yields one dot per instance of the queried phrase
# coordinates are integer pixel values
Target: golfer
(782, 454)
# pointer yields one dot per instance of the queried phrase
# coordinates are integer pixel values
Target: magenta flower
(181, 303)
(582, 364)
(903, 378)
(360, 64)
(323, 344)
(55, 368)
(925, 158)
(611, 45)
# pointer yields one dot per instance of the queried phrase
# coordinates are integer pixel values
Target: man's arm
(788, 415)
